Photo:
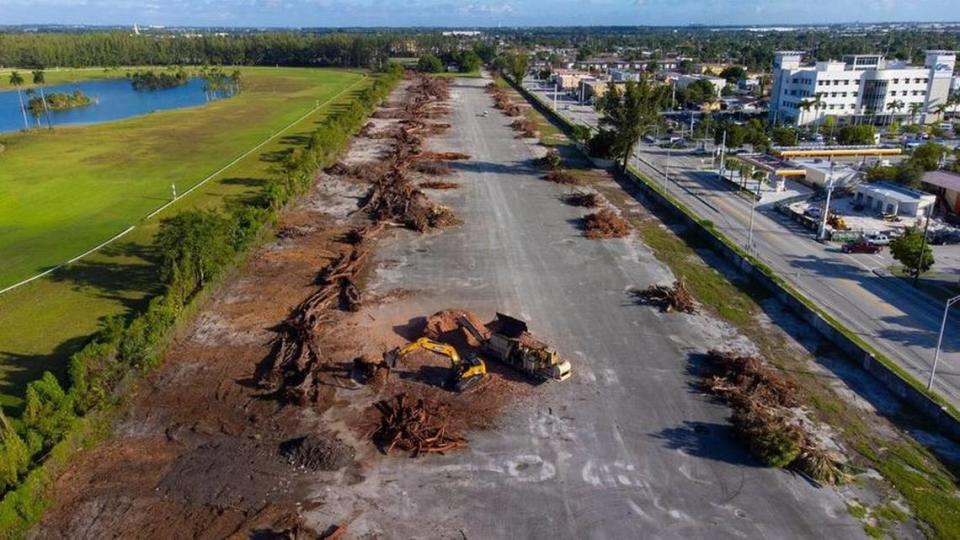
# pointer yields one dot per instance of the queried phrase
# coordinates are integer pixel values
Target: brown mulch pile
(605, 224)
(561, 177)
(439, 185)
(674, 298)
(765, 406)
(417, 426)
(526, 127)
(579, 198)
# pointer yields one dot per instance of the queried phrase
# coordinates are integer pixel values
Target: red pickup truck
(861, 246)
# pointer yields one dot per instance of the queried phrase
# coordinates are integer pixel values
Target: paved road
(885, 311)
(624, 449)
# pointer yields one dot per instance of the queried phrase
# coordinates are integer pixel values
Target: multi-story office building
(860, 88)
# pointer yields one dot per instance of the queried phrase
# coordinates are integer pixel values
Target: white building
(892, 199)
(860, 88)
(719, 84)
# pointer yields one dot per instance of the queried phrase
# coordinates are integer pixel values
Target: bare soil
(203, 452)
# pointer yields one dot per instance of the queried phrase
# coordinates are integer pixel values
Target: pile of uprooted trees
(294, 365)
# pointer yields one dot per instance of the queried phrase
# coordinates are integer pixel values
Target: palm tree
(40, 80)
(817, 104)
(940, 109)
(915, 109)
(17, 81)
(236, 81)
(805, 105)
(894, 107)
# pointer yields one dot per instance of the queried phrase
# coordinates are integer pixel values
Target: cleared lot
(627, 447)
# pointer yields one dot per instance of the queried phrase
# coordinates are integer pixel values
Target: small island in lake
(58, 102)
(150, 80)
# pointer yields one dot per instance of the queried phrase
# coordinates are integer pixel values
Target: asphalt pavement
(626, 448)
(856, 289)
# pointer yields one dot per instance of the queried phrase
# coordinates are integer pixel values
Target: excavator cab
(464, 374)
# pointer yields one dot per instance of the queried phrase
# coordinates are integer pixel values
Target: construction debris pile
(580, 198)
(417, 426)
(766, 414)
(317, 452)
(561, 177)
(605, 224)
(674, 298)
(291, 371)
(502, 101)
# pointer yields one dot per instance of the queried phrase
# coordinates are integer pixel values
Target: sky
(465, 13)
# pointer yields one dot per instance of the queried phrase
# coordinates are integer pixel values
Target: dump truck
(511, 343)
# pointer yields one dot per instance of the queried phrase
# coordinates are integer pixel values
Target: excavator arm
(464, 375)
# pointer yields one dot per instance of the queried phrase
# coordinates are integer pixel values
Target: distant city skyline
(373, 13)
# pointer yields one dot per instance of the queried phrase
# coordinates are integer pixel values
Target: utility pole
(753, 208)
(923, 246)
(556, 87)
(666, 170)
(723, 152)
(826, 208)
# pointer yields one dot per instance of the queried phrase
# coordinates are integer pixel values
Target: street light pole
(826, 207)
(666, 170)
(723, 152)
(936, 355)
(753, 207)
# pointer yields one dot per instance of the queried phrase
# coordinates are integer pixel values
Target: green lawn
(64, 192)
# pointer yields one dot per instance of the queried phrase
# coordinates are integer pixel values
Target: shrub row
(193, 247)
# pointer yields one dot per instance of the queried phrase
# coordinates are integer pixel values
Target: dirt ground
(199, 453)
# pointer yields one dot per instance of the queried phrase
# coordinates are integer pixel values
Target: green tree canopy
(733, 73)
(630, 114)
(862, 134)
(429, 63)
(906, 249)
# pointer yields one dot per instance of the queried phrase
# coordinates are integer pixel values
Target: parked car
(861, 246)
(813, 211)
(879, 239)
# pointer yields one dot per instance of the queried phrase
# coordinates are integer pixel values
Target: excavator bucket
(463, 385)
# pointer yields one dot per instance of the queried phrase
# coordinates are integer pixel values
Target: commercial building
(893, 199)
(569, 79)
(860, 88)
(946, 185)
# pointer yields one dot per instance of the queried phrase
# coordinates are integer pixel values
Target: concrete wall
(897, 383)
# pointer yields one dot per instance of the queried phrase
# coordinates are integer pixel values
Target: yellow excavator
(465, 373)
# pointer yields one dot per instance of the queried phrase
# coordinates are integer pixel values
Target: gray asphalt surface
(626, 448)
(897, 319)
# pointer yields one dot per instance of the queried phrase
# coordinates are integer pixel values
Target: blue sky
(470, 12)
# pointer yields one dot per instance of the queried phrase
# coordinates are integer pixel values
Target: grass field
(66, 191)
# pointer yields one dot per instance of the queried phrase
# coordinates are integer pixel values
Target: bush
(853, 135)
(429, 63)
(48, 413)
(14, 456)
(600, 145)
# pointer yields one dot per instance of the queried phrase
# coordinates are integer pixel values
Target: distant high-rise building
(859, 88)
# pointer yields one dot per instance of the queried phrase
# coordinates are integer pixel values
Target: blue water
(113, 99)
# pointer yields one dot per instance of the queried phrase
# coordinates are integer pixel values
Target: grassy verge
(44, 322)
(911, 473)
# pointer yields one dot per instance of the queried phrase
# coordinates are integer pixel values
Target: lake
(113, 99)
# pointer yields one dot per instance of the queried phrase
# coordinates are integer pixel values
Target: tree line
(193, 248)
(106, 49)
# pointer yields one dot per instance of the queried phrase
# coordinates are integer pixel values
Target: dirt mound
(443, 326)
(605, 224)
(318, 452)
